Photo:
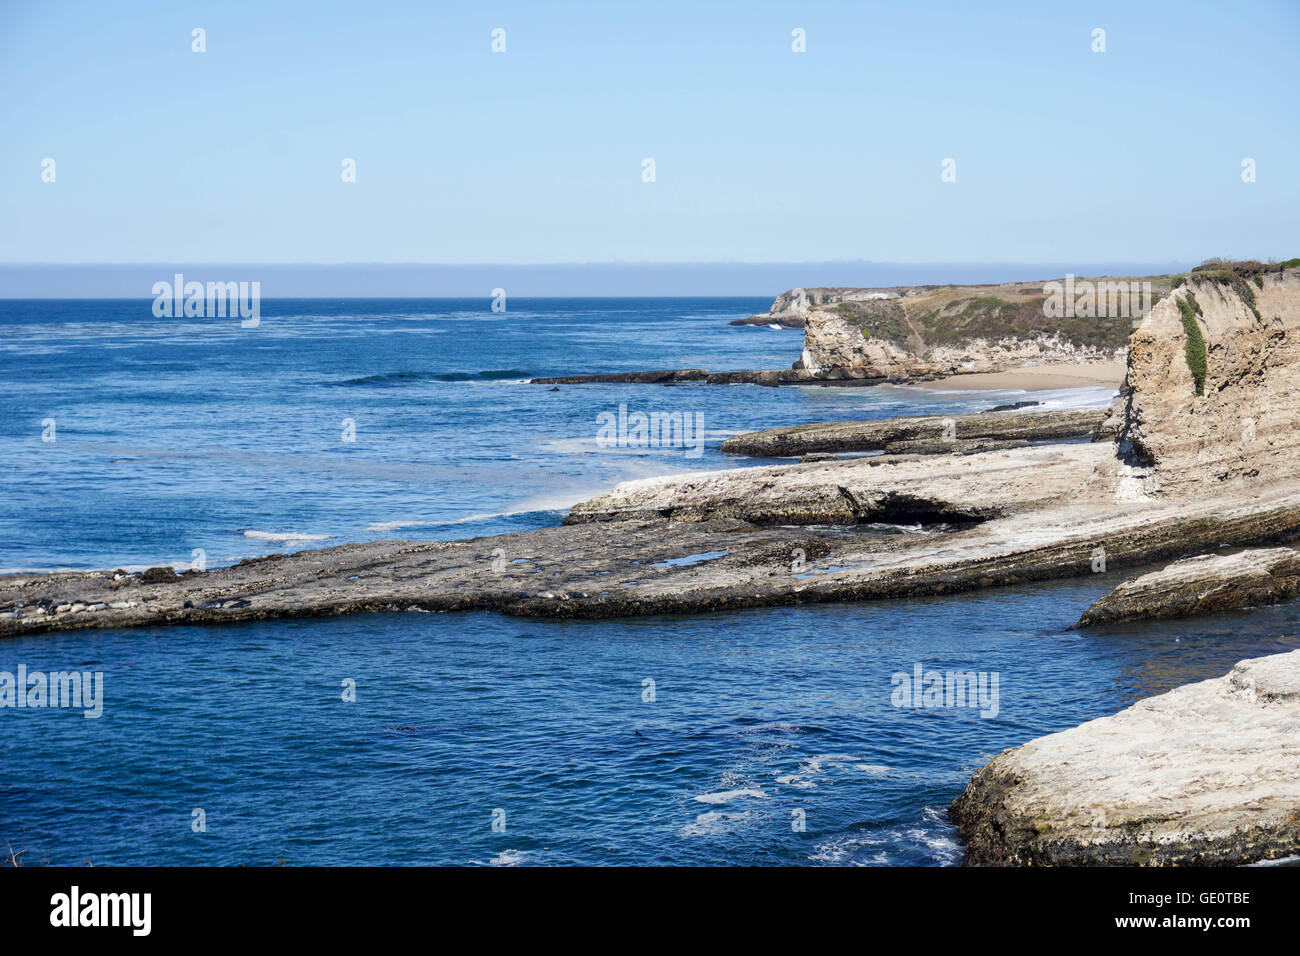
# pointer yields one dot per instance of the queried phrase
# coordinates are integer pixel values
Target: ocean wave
(286, 537)
(504, 858)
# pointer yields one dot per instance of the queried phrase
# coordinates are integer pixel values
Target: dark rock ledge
(620, 555)
(767, 377)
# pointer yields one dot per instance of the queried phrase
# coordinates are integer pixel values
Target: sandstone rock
(833, 344)
(908, 333)
(852, 491)
(1203, 775)
(1202, 585)
(876, 435)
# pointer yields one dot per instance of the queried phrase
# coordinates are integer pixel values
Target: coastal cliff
(906, 332)
(1211, 399)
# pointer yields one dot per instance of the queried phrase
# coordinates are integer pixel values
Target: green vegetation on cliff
(880, 318)
(993, 318)
(1195, 346)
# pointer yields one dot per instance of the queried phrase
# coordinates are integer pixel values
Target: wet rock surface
(1203, 775)
(1202, 585)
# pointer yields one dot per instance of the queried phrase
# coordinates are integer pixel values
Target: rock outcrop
(623, 566)
(857, 491)
(878, 435)
(1202, 585)
(1203, 775)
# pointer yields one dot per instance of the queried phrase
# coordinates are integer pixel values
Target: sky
(535, 154)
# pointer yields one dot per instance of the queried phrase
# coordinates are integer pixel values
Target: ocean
(750, 738)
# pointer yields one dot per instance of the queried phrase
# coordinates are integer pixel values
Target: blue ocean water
(771, 737)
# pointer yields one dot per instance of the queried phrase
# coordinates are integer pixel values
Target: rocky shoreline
(1204, 775)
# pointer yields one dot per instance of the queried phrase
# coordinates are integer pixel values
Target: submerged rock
(1203, 775)
(1010, 406)
(1202, 585)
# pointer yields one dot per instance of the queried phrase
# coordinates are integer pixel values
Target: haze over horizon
(415, 280)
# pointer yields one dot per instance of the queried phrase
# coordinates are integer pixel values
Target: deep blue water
(173, 435)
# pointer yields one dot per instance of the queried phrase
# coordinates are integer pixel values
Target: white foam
(726, 796)
(874, 770)
(713, 823)
(934, 832)
(810, 767)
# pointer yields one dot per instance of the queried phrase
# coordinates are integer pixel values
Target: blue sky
(534, 155)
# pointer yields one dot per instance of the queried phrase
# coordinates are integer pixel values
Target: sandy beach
(1033, 378)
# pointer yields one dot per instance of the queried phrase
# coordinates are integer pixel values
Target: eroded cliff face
(1237, 426)
(834, 347)
(945, 330)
